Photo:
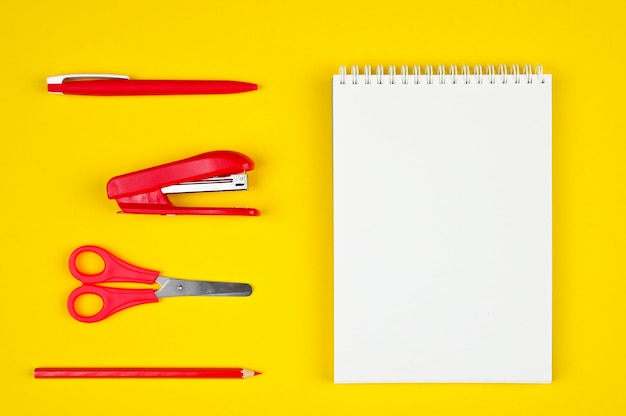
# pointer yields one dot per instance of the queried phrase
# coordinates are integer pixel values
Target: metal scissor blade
(181, 287)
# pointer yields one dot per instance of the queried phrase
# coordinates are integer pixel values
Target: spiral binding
(490, 76)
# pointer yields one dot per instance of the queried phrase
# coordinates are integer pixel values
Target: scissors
(117, 299)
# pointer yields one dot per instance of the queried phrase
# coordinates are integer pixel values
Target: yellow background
(59, 151)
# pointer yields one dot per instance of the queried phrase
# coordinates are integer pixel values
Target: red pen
(110, 84)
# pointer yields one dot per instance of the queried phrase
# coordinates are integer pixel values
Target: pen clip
(58, 79)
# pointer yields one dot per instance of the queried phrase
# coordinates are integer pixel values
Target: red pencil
(144, 373)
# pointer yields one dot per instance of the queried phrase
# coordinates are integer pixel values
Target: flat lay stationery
(424, 204)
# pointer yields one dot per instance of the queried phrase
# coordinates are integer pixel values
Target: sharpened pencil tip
(248, 373)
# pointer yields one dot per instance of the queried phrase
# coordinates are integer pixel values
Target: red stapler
(145, 191)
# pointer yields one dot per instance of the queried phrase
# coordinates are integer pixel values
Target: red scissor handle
(113, 300)
(115, 270)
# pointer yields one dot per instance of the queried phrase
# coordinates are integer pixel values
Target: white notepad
(442, 225)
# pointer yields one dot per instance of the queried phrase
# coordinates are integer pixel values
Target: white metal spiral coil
(503, 75)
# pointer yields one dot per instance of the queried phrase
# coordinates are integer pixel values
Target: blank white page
(442, 229)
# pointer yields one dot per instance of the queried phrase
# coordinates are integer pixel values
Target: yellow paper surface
(59, 152)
